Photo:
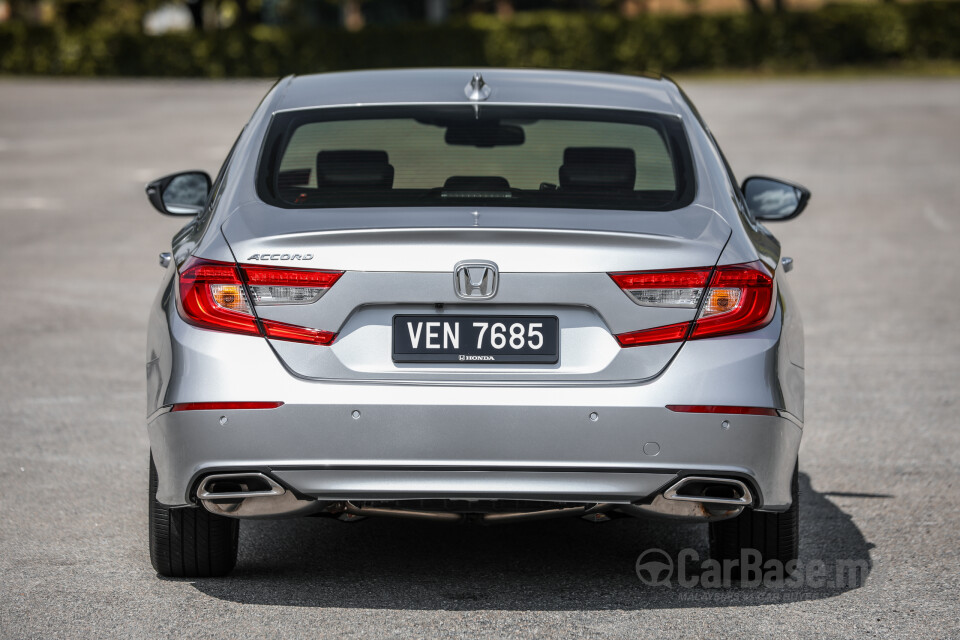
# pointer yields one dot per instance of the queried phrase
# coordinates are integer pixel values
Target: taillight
(739, 298)
(294, 333)
(213, 296)
(273, 285)
(656, 335)
(678, 288)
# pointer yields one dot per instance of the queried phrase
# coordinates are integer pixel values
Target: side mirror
(180, 194)
(770, 199)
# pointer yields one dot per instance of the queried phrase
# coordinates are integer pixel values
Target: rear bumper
(383, 441)
(532, 451)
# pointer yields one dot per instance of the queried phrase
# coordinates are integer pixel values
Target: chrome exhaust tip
(727, 492)
(251, 496)
(695, 498)
(224, 486)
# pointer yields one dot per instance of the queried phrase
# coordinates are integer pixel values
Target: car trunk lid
(550, 263)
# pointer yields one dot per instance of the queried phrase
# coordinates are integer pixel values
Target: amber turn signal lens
(720, 300)
(230, 296)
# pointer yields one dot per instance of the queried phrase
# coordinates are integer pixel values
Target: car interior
(584, 170)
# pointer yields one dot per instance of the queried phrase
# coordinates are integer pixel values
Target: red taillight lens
(276, 285)
(710, 408)
(676, 288)
(677, 278)
(283, 331)
(212, 296)
(657, 335)
(276, 276)
(222, 406)
(738, 298)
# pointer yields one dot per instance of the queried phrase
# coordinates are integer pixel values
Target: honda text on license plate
(476, 339)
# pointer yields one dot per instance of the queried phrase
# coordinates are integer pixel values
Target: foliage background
(830, 36)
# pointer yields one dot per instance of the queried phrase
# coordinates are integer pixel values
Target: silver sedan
(473, 296)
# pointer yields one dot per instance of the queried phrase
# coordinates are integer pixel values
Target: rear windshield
(476, 155)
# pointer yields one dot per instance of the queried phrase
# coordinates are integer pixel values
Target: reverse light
(212, 296)
(677, 288)
(276, 285)
(738, 298)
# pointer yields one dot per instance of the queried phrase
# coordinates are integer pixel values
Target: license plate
(476, 339)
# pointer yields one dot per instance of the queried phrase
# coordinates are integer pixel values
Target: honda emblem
(475, 279)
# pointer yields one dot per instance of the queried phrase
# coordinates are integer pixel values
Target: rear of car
(490, 307)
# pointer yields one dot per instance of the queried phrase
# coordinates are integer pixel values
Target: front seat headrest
(354, 169)
(598, 168)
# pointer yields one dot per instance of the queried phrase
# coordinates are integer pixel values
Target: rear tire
(775, 536)
(189, 542)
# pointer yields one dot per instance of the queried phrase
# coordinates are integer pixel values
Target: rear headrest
(476, 183)
(608, 168)
(293, 178)
(354, 168)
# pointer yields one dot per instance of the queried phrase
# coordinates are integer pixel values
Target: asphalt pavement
(876, 276)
